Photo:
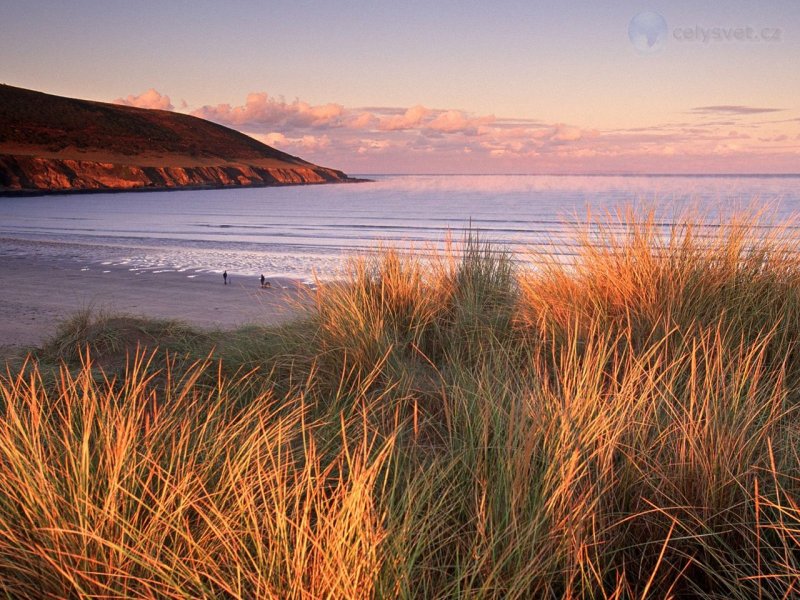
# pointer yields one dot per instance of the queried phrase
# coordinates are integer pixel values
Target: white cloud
(453, 121)
(149, 99)
(410, 119)
(310, 143)
(260, 110)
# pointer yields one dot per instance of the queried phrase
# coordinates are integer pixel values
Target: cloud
(262, 113)
(372, 146)
(777, 138)
(274, 139)
(410, 119)
(733, 109)
(453, 121)
(309, 143)
(565, 133)
(420, 138)
(149, 99)
(314, 142)
(260, 110)
(365, 120)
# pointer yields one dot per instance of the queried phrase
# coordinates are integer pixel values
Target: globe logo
(648, 32)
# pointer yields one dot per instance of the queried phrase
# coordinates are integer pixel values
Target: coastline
(30, 192)
(41, 292)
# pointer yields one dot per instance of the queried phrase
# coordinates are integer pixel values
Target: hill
(51, 143)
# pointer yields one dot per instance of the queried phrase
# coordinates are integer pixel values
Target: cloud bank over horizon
(422, 139)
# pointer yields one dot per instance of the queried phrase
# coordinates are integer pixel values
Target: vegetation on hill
(57, 123)
(624, 426)
(54, 144)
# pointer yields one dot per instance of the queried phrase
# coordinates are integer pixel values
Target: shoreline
(39, 293)
(29, 192)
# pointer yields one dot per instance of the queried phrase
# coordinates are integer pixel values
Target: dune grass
(622, 426)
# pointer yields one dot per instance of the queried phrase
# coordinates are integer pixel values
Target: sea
(308, 232)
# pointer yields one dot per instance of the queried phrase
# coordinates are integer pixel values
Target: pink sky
(452, 86)
(420, 139)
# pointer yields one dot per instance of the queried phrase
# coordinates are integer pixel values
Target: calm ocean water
(295, 231)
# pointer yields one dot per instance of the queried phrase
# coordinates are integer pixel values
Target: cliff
(54, 144)
(28, 173)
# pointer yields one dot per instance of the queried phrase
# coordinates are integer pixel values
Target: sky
(443, 86)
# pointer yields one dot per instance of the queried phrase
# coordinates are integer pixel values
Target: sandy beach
(38, 293)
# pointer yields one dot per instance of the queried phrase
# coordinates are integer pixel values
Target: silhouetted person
(263, 279)
(225, 277)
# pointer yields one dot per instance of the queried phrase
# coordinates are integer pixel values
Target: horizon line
(627, 174)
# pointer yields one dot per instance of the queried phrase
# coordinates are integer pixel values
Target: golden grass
(112, 490)
(622, 427)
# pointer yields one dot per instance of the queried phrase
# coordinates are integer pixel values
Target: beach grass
(622, 424)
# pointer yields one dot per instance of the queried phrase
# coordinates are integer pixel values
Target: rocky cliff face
(48, 174)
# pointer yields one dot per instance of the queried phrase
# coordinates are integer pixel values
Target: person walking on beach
(225, 277)
(263, 279)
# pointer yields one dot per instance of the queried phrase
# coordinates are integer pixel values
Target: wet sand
(38, 293)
